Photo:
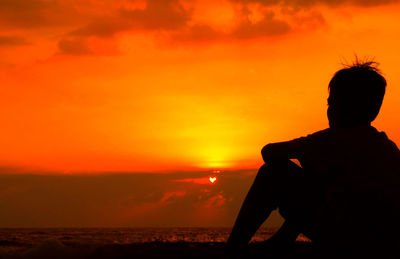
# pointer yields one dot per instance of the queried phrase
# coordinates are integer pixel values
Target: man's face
(331, 116)
(330, 112)
(335, 115)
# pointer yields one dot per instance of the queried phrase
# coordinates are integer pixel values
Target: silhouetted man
(345, 196)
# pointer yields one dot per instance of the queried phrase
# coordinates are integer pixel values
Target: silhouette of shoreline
(53, 248)
(177, 250)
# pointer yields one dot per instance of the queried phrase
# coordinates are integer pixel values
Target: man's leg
(272, 187)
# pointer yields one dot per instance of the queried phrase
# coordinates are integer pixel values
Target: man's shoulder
(318, 134)
(349, 132)
(312, 139)
(387, 141)
(345, 135)
(382, 137)
(363, 135)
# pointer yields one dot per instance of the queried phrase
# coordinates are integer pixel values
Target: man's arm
(280, 150)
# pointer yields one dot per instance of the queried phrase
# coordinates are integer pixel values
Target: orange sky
(184, 86)
(162, 85)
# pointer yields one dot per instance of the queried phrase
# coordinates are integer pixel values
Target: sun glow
(216, 156)
(213, 179)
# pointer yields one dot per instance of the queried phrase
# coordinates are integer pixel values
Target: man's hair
(357, 91)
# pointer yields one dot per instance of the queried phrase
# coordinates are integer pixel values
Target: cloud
(166, 15)
(171, 196)
(310, 3)
(170, 20)
(170, 16)
(268, 26)
(105, 28)
(157, 15)
(33, 14)
(12, 41)
(203, 180)
(152, 199)
(198, 33)
(23, 13)
(73, 47)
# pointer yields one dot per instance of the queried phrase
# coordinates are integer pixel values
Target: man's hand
(267, 152)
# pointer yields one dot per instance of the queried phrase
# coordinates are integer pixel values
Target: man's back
(358, 171)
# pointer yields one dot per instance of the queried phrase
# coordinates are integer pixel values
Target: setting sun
(213, 179)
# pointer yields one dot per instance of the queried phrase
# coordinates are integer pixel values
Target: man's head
(355, 95)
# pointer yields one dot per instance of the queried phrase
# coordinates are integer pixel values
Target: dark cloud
(169, 16)
(166, 15)
(309, 3)
(106, 27)
(23, 13)
(73, 47)
(198, 33)
(158, 15)
(268, 26)
(12, 41)
(131, 200)
(33, 14)
(172, 17)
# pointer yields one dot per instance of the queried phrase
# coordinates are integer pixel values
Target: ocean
(21, 243)
(21, 238)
